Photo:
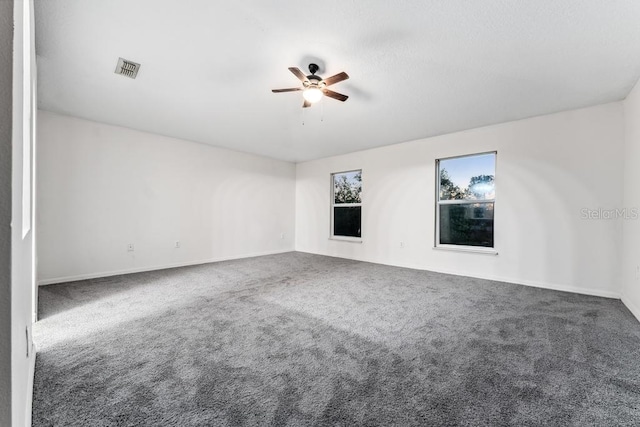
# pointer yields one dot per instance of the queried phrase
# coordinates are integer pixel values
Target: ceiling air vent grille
(127, 68)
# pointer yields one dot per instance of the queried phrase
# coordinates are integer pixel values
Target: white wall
(22, 232)
(548, 169)
(631, 228)
(6, 104)
(102, 187)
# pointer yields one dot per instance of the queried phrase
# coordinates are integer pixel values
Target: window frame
(464, 248)
(333, 204)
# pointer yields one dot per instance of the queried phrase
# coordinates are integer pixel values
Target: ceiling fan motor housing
(312, 79)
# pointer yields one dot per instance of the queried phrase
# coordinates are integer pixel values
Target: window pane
(467, 224)
(347, 187)
(346, 221)
(470, 177)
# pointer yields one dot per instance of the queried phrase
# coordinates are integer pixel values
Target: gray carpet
(302, 340)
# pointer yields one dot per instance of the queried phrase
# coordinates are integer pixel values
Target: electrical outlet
(402, 244)
(281, 235)
(130, 247)
(177, 244)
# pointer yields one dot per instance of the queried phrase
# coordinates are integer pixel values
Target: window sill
(346, 239)
(469, 249)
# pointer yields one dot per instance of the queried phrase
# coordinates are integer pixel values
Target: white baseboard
(535, 284)
(87, 276)
(635, 310)
(543, 285)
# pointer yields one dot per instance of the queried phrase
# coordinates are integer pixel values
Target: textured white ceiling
(418, 68)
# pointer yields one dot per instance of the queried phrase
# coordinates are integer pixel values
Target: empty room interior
(319, 214)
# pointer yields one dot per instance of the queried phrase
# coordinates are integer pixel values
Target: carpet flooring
(305, 340)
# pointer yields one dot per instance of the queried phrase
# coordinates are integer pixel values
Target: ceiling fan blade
(306, 104)
(335, 79)
(335, 95)
(299, 74)
(291, 89)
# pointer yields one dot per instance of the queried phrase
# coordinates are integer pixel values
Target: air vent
(127, 68)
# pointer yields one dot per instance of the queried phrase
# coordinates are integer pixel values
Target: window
(465, 200)
(346, 204)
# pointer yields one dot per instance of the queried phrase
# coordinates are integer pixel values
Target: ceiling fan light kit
(312, 94)
(314, 87)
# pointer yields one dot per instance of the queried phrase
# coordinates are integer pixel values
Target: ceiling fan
(313, 87)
